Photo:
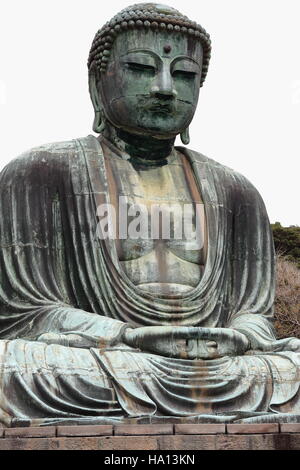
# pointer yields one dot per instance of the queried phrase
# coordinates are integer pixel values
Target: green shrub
(287, 241)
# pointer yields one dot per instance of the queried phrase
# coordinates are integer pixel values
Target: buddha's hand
(218, 342)
(187, 342)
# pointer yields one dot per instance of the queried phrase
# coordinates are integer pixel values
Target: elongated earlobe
(99, 119)
(99, 122)
(185, 136)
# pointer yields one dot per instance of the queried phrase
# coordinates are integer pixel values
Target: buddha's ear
(94, 94)
(185, 136)
(99, 120)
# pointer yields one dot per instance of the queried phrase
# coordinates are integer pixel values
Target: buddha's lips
(165, 108)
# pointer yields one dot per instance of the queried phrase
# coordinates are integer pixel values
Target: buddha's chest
(157, 209)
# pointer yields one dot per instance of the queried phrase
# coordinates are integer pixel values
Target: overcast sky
(249, 108)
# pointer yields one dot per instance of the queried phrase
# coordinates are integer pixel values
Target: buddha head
(146, 67)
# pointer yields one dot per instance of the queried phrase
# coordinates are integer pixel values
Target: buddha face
(152, 82)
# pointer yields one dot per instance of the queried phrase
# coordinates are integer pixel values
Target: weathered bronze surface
(95, 328)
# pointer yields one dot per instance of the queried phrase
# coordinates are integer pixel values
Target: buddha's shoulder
(220, 173)
(51, 157)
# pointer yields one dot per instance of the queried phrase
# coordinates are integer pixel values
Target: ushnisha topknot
(147, 16)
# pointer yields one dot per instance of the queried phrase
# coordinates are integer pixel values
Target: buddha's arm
(74, 327)
(261, 334)
(43, 286)
(253, 271)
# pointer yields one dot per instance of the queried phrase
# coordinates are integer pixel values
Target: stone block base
(189, 437)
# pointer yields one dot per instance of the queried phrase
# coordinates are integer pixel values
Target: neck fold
(145, 150)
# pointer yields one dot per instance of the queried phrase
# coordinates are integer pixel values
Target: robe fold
(58, 277)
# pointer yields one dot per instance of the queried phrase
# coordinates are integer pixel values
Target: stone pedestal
(154, 437)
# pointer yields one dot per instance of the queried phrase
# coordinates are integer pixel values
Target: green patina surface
(100, 330)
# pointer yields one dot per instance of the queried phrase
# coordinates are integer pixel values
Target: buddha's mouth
(161, 110)
(162, 107)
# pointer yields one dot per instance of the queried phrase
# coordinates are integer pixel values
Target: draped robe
(58, 276)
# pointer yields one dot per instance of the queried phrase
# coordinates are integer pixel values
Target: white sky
(249, 109)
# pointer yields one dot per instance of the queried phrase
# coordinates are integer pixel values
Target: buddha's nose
(163, 87)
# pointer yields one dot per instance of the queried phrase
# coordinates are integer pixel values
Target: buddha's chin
(147, 132)
(153, 129)
(163, 126)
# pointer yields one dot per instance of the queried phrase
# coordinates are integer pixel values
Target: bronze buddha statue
(139, 326)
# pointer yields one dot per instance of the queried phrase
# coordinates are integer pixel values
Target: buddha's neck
(143, 150)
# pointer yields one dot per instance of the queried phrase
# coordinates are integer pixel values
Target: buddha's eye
(142, 68)
(184, 74)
